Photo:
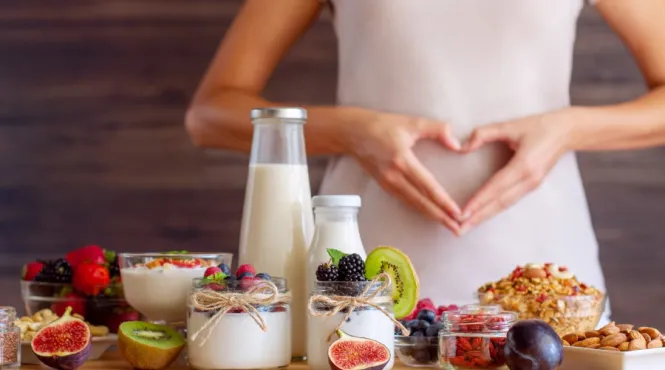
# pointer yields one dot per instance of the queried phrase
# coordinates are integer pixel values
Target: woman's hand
(538, 142)
(383, 145)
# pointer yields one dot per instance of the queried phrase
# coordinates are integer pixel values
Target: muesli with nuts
(548, 292)
(613, 337)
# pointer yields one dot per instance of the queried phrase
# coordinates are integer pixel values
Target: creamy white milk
(372, 324)
(159, 293)
(237, 342)
(277, 229)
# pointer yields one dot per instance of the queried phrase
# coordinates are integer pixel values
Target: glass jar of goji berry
(473, 337)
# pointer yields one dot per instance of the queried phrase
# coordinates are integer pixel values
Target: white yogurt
(159, 293)
(372, 324)
(238, 342)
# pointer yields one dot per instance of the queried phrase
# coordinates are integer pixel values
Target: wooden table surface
(113, 361)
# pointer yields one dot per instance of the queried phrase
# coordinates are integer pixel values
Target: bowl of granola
(547, 292)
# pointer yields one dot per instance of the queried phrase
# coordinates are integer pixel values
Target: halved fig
(64, 344)
(355, 353)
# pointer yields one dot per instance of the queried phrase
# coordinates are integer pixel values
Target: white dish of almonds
(615, 347)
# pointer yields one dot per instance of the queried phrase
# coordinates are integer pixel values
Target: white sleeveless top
(468, 63)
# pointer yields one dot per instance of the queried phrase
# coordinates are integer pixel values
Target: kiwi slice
(149, 346)
(406, 286)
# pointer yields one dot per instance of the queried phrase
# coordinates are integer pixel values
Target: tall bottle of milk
(336, 227)
(278, 223)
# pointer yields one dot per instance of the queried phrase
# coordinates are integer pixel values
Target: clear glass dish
(158, 284)
(418, 351)
(565, 313)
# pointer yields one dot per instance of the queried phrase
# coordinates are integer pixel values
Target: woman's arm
(639, 123)
(259, 37)
(539, 141)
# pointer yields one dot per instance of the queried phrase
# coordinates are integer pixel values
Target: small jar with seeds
(10, 339)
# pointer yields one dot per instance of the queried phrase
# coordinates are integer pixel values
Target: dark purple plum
(533, 345)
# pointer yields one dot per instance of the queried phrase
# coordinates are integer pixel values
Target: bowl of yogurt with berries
(248, 307)
(158, 284)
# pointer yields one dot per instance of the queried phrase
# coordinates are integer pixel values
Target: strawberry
(212, 270)
(31, 270)
(71, 299)
(91, 278)
(89, 253)
(245, 268)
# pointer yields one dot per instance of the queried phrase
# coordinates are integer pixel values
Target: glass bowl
(565, 313)
(109, 309)
(417, 351)
(158, 284)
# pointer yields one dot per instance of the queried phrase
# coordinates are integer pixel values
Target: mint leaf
(214, 278)
(335, 255)
(109, 256)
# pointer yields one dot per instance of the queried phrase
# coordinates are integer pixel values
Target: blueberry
(245, 274)
(427, 315)
(421, 356)
(422, 325)
(225, 269)
(433, 331)
(411, 324)
(417, 334)
(263, 276)
(231, 278)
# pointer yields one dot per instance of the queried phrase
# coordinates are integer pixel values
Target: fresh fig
(533, 345)
(64, 344)
(354, 353)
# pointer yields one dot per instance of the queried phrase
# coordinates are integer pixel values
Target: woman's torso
(467, 63)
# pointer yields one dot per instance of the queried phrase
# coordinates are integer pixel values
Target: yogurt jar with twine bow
(360, 308)
(228, 316)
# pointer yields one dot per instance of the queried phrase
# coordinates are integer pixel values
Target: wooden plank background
(93, 150)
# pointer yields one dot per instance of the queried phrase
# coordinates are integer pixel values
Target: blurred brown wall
(92, 147)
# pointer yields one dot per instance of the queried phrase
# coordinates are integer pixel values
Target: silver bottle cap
(299, 114)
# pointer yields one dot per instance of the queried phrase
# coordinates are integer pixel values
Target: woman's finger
(420, 177)
(499, 204)
(439, 131)
(486, 134)
(399, 186)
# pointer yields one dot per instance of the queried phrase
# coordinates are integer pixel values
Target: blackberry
(58, 271)
(327, 272)
(352, 268)
(114, 268)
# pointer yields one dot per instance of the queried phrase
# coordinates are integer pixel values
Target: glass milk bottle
(278, 223)
(336, 227)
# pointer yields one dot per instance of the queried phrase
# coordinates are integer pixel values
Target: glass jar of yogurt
(365, 320)
(226, 318)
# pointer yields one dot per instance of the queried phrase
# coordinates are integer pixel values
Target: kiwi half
(406, 286)
(149, 346)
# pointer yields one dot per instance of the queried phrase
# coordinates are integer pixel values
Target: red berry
(425, 303)
(211, 271)
(71, 299)
(248, 282)
(31, 270)
(245, 268)
(90, 253)
(90, 278)
(453, 307)
(441, 309)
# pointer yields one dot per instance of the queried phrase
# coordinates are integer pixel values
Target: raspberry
(327, 272)
(425, 303)
(211, 271)
(245, 268)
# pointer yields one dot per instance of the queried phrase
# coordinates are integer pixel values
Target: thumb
(439, 131)
(486, 134)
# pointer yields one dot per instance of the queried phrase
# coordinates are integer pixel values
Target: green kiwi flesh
(406, 286)
(149, 346)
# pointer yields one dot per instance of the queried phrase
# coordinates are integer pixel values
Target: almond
(572, 338)
(656, 343)
(610, 325)
(624, 346)
(592, 334)
(613, 340)
(637, 344)
(588, 342)
(535, 272)
(610, 348)
(565, 344)
(625, 328)
(634, 334)
(647, 338)
(653, 333)
(594, 346)
(609, 331)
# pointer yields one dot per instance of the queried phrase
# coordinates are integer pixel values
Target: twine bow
(264, 293)
(350, 303)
